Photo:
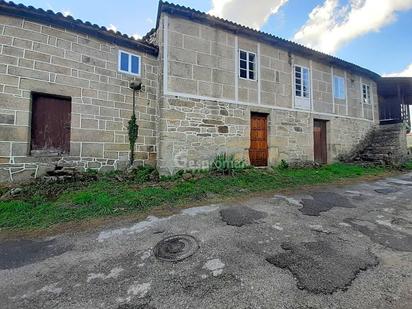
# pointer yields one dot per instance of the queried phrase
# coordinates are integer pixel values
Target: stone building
(208, 86)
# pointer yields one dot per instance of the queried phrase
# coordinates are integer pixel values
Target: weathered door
(258, 152)
(50, 128)
(320, 144)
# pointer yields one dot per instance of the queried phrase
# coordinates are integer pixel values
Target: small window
(302, 82)
(129, 63)
(277, 77)
(366, 94)
(339, 87)
(247, 65)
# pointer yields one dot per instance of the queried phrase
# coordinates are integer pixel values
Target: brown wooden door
(258, 152)
(50, 129)
(320, 144)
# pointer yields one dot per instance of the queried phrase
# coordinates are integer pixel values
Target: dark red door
(50, 129)
(320, 144)
(258, 152)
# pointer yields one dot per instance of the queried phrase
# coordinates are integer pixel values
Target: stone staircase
(385, 145)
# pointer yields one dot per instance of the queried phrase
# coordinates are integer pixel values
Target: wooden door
(258, 152)
(50, 128)
(320, 144)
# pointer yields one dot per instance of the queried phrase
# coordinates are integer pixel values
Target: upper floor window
(339, 86)
(129, 63)
(302, 82)
(247, 65)
(366, 94)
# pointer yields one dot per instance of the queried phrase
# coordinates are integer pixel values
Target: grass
(109, 195)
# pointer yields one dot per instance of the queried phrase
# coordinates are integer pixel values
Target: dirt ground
(329, 247)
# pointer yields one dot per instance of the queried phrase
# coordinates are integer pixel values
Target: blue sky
(382, 46)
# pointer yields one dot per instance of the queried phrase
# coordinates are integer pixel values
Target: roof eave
(58, 20)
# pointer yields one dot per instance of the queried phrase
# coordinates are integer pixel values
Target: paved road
(334, 247)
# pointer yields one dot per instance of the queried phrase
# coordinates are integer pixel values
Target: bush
(226, 164)
(283, 165)
(145, 173)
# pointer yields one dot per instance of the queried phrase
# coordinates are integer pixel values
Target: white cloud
(332, 25)
(150, 21)
(112, 27)
(246, 12)
(67, 13)
(137, 36)
(407, 72)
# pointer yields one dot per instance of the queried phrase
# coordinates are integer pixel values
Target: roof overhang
(75, 25)
(396, 86)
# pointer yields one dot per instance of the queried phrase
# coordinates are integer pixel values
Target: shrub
(145, 173)
(283, 165)
(226, 164)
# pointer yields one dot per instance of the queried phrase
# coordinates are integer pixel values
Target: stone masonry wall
(202, 85)
(45, 59)
(203, 60)
(193, 132)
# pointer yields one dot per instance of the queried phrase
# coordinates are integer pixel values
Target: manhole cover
(176, 248)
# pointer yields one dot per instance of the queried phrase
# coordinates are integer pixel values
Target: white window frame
(129, 71)
(247, 65)
(340, 91)
(368, 98)
(302, 101)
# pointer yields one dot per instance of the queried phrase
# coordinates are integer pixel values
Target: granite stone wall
(39, 58)
(204, 109)
(202, 83)
(193, 132)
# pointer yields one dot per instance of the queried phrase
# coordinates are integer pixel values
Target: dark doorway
(320, 143)
(50, 126)
(258, 152)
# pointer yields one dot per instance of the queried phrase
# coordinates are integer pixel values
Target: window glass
(135, 65)
(124, 62)
(339, 87)
(366, 94)
(247, 65)
(302, 82)
(129, 63)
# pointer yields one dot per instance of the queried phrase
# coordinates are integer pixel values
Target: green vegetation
(226, 164)
(133, 131)
(41, 205)
(407, 166)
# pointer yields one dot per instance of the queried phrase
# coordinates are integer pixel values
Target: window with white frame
(247, 65)
(339, 87)
(129, 63)
(302, 82)
(366, 94)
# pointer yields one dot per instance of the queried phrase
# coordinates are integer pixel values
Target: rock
(16, 191)
(319, 228)
(187, 176)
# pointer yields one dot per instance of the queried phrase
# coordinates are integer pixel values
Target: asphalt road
(333, 247)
